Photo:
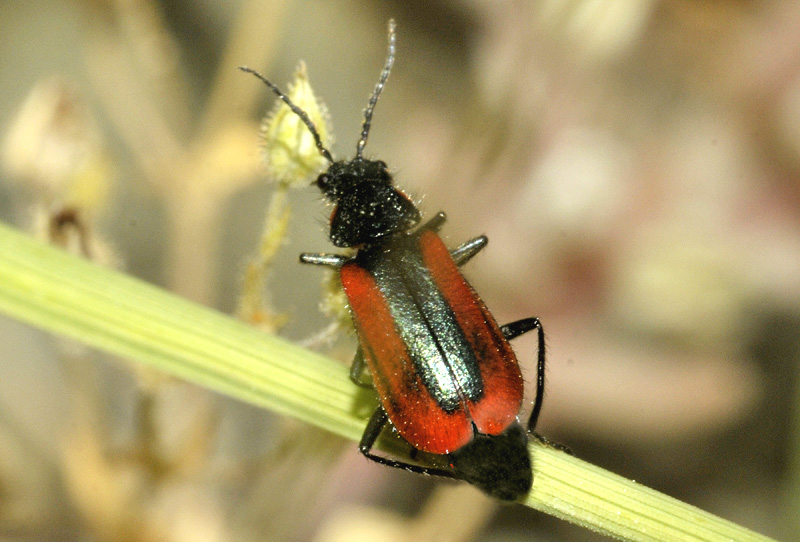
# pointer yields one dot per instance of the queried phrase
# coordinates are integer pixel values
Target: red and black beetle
(445, 374)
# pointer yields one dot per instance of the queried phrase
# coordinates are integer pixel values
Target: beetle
(445, 374)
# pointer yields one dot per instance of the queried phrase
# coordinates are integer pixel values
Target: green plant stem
(55, 291)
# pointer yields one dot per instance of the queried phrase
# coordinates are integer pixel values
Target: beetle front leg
(330, 260)
(435, 223)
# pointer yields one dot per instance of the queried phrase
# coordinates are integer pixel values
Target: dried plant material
(55, 150)
(433, 522)
(54, 147)
(291, 156)
(221, 164)
(677, 284)
(599, 29)
(110, 494)
(253, 307)
(334, 302)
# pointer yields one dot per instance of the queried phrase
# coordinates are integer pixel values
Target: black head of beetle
(342, 177)
(368, 206)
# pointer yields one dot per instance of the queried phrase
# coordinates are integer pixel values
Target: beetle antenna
(378, 88)
(296, 110)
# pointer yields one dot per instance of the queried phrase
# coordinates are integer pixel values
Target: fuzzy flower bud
(290, 152)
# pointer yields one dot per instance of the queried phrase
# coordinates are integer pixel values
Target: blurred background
(635, 165)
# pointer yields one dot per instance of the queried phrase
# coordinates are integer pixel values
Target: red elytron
(421, 318)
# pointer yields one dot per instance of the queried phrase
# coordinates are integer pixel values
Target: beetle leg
(357, 369)
(466, 251)
(547, 442)
(331, 260)
(434, 223)
(373, 430)
(515, 329)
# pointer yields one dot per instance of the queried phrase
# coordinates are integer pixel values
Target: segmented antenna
(378, 88)
(297, 111)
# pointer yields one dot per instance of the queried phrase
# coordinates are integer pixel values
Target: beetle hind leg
(514, 330)
(373, 430)
(549, 443)
(357, 369)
